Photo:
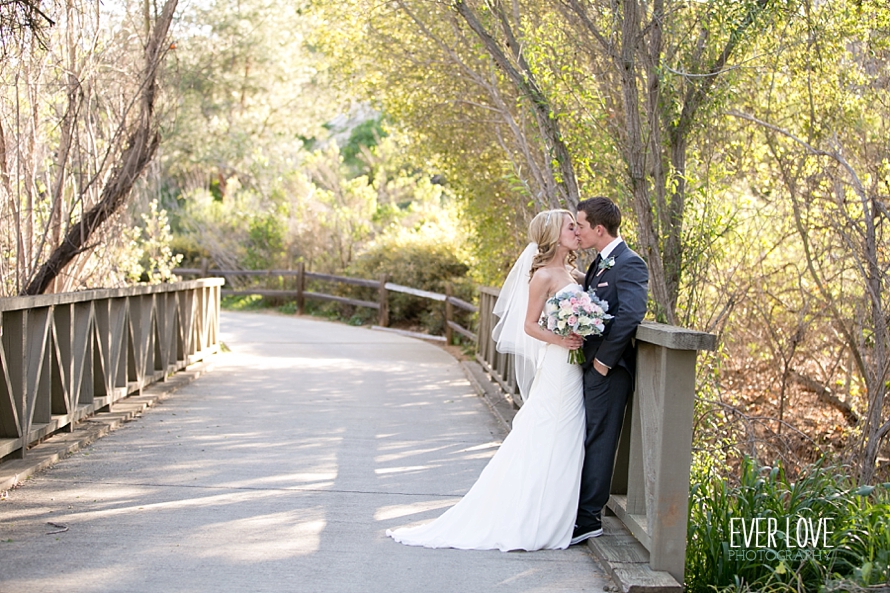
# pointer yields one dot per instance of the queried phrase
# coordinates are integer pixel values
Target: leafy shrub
(855, 553)
(417, 260)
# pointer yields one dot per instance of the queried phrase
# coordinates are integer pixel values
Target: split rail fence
(299, 293)
(66, 356)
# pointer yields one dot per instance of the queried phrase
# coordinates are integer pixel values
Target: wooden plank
(283, 273)
(46, 300)
(415, 292)
(343, 279)
(627, 562)
(8, 446)
(461, 304)
(344, 300)
(462, 331)
(675, 338)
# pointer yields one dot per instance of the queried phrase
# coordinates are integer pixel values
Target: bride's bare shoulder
(546, 279)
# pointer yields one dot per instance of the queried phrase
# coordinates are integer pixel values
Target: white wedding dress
(527, 496)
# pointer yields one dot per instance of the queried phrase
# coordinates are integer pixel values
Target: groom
(620, 277)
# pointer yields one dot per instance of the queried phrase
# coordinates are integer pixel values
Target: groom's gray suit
(625, 287)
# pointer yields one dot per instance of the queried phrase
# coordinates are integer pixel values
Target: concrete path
(280, 470)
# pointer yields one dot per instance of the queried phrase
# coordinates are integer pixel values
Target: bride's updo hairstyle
(544, 229)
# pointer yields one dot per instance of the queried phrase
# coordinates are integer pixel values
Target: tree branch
(824, 394)
(528, 86)
(142, 143)
(697, 94)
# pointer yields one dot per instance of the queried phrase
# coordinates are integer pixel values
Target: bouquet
(573, 311)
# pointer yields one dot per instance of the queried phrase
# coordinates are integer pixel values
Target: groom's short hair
(601, 211)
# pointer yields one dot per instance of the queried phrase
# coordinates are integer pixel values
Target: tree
(21, 22)
(69, 159)
(139, 148)
(641, 78)
(824, 118)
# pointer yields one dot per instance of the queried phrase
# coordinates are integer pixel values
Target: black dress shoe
(585, 532)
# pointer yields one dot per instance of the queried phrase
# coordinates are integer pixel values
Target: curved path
(279, 471)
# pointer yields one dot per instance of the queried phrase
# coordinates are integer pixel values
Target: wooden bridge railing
(650, 484)
(65, 356)
(383, 287)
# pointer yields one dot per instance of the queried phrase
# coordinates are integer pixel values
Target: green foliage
(364, 136)
(248, 92)
(864, 551)
(852, 552)
(423, 259)
(249, 302)
(266, 236)
(149, 255)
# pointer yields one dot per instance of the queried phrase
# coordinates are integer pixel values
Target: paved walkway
(280, 470)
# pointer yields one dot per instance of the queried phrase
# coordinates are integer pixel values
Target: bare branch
(142, 143)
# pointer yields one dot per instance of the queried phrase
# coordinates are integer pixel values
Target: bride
(527, 496)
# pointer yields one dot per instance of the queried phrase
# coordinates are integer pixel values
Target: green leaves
(725, 553)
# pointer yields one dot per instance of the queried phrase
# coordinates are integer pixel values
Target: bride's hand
(571, 342)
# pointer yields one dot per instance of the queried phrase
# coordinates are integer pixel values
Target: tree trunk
(636, 161)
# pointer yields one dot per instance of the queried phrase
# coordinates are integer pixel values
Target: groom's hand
(600, 367)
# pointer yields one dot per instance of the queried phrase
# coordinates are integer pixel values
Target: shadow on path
(279, 471)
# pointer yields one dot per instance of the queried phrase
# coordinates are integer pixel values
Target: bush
(416, 260)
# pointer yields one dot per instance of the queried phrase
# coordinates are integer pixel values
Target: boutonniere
(606, 264)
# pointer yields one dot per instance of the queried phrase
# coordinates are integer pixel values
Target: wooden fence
(498, 365)
(299, 294)
(65, 356)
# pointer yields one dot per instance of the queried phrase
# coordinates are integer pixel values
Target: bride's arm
(538, 290)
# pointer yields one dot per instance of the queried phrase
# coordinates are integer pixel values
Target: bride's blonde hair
(544, 229)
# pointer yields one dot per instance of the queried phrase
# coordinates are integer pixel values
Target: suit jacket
(625, 286)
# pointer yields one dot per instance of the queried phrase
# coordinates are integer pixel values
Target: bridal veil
(509, 333)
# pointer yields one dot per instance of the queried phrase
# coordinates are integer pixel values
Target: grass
(853, 555)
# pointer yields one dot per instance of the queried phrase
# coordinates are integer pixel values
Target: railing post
(13, 339)
(449, 313)
(301, 286)
(650, 487)
(205, 266)
(383, 301)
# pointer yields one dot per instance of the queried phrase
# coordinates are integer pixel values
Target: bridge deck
(279, 471)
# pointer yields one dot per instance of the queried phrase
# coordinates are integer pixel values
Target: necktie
(594, 268)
